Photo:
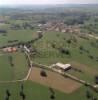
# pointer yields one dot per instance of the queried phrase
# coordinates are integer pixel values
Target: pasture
(19, 35)
(35, 91)
(16, 71)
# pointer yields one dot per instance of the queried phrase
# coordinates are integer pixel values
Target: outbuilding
(61, 66)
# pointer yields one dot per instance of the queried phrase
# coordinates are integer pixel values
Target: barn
(61, 66)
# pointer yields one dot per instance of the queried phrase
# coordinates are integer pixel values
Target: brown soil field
(84, 68)
(54, 80)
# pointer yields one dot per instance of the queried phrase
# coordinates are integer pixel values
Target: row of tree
(23, 26)
(22, 94)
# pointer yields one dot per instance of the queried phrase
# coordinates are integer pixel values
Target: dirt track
(54, 80)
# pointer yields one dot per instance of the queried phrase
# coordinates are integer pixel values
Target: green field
(34, 91)
(20, 35)
(44, 46)
(49, 55)
(18, 71)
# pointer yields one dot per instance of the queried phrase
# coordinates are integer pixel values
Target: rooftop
(63, 66)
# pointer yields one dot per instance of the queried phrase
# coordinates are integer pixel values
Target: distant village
(60, 27)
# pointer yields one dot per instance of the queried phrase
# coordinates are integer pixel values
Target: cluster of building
(60, 27)
(17, 48)
(10, 49)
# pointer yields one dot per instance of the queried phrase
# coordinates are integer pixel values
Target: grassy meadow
(17, 71)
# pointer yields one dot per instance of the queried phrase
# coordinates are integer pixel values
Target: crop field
(54, 80)
(16, 71)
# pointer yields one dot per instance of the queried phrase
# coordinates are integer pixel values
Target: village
(60, 27)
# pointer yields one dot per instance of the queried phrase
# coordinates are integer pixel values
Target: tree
(11, 60)
(8, 93)
(52, 91)
(88, 94)
(91, 57)
(96, 79)
(52, 97)
(22, 92)
(6, 98)
(40, 35)
(53, 45)
(22, 87)
(22, 95)
(64, 51)
(43, 73)
(81, 48)
(69, 41)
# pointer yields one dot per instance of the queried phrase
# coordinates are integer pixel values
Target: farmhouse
(61, 66)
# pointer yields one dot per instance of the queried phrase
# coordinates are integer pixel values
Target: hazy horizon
(45, 2)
